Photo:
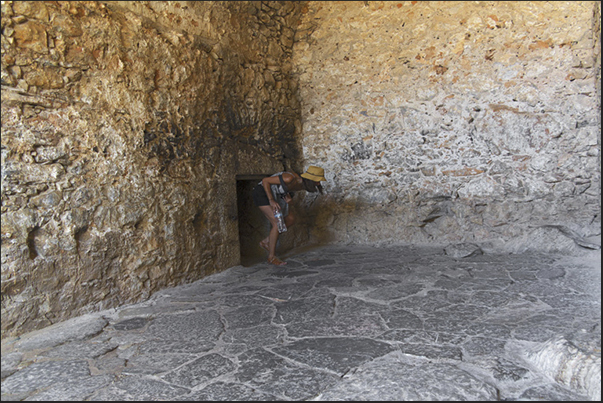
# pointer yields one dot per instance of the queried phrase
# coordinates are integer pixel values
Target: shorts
(259, 196)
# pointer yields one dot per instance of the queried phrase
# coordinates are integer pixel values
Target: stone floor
(336, 323)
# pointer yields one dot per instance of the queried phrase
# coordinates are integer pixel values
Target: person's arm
(267, 182)
(288, 179)
(274, 180)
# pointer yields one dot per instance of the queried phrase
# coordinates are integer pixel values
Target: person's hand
(288, 198)
(275, 206)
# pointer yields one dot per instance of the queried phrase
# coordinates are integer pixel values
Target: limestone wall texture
(124, 126)
(444, 122)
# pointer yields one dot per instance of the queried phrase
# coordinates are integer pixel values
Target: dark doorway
(253, 225)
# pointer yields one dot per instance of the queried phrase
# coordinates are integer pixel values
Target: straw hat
(315, 174)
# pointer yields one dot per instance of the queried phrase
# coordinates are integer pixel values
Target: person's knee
(289, 220)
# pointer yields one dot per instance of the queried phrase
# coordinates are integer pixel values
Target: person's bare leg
(273, 236)
(289, 220)
(273, 240)
(265, 243)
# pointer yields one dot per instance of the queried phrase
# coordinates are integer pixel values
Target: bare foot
(276, 261)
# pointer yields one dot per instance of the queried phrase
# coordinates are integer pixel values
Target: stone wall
(444, 122)
(124, 127)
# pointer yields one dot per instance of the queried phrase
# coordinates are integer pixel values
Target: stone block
(31, 35)
(462, 250)
(34, 9)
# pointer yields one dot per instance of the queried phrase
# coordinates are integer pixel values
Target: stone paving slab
(337, 323)
(392, 377)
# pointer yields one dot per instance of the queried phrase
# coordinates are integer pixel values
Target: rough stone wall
(597, 49)
(447, 122)
(124, 126)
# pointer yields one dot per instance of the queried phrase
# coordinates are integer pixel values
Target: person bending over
(275, 193)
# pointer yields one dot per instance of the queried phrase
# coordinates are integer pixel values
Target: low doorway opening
(253, 225)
